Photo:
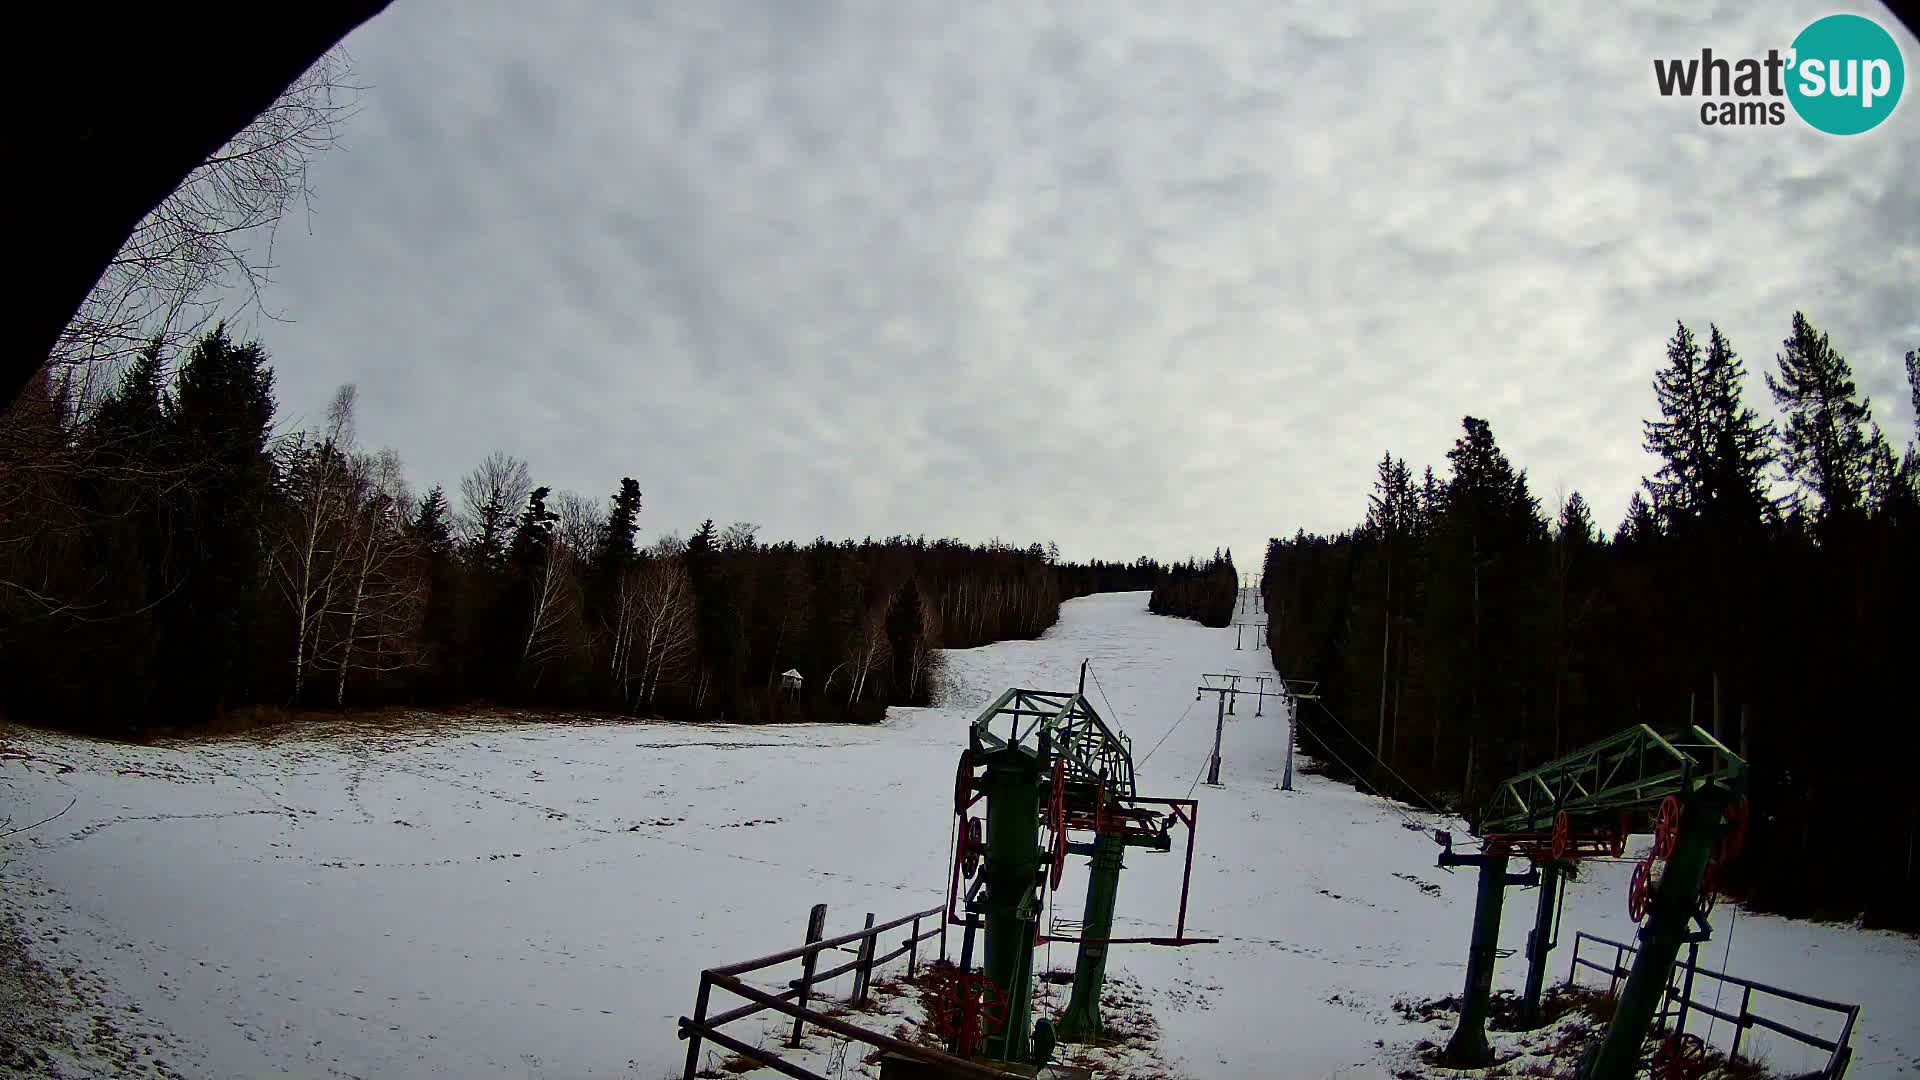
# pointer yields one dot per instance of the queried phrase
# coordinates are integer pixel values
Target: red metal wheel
(1640, 889)
(968, 1008)
(1619, 841)
(1562, 835)
(1678, 1057)
(1709, 890)
(963, 783)
(972, 843)
(1666, 828)
(992, 1005)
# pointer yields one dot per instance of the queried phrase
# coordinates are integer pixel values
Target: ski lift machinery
(1046, 761)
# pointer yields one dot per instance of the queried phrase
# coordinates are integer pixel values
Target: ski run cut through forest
(508, 898)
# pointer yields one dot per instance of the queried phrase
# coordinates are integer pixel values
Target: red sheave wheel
(1620, 837)
(968, 1008)
(1666, 828)
(1562, 835)
(1640, 890)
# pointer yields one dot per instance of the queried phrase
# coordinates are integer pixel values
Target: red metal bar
(1186, 875)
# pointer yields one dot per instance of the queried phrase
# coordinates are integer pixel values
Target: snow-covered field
(519, 900)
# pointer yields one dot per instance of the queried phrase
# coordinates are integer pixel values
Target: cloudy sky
(1134, 277)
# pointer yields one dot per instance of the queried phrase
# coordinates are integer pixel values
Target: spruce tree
(905, 630)
(623, 524)
(1680, 437)
(1641, 526)
(1739, 444)
(1913, 381)
(718, 624)
(219, 430)
(1825, 446)
(442, 644)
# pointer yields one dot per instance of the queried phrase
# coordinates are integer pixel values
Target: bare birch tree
(305, 553)
(556, 607)
(663, 635)
(582, 526)
(381, 595)
(491, 497)
(867, 651)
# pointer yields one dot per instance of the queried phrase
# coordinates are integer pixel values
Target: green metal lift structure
(1687, 786)
(1045, 760)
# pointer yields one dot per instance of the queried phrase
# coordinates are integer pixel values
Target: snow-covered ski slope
(523, 900)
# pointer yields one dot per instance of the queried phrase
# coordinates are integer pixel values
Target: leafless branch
(4, 833)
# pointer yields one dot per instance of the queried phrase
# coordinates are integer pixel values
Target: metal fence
(1679, 1001)
(864, 944)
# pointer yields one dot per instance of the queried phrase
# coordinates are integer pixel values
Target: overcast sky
(1135, 277)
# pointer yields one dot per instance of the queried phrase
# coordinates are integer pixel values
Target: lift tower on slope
(1043, 758)
(1582, 806)
(1227, 687)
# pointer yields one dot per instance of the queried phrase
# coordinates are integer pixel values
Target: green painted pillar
(1671, 909)
(1539, 943)
(1012, 784)
(1469, 1049)
(1081, 1021)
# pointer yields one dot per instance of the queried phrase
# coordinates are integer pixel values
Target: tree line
(1762, 585)
(1202, 591)
(168, 557)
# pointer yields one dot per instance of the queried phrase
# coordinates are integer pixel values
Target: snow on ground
(536, 900)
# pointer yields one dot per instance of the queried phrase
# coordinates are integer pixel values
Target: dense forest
(1204, 592)
(1763, 586)
(168, 558)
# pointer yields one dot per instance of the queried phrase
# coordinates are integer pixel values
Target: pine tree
(1739, 444)
(1641, 526)
(433, 522)
(1681, 436)
(718, 623)
(1485, 549)
(905, 643)
(623, 524)
(219, 431)
(442, 645)
(1825, 447)
(1913, 381)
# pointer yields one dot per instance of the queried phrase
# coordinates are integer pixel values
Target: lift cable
(1733, 920)
(1163, 738)
(1195, 786)
(1360, 778)
(1111, 711)
(1390, 770)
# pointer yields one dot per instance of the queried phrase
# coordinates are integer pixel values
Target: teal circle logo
(1846, 74)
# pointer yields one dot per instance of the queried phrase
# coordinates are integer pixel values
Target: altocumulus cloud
(1140, 278)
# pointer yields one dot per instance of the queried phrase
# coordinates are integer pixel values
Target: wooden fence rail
(1679, 1002)
(702, 1027)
